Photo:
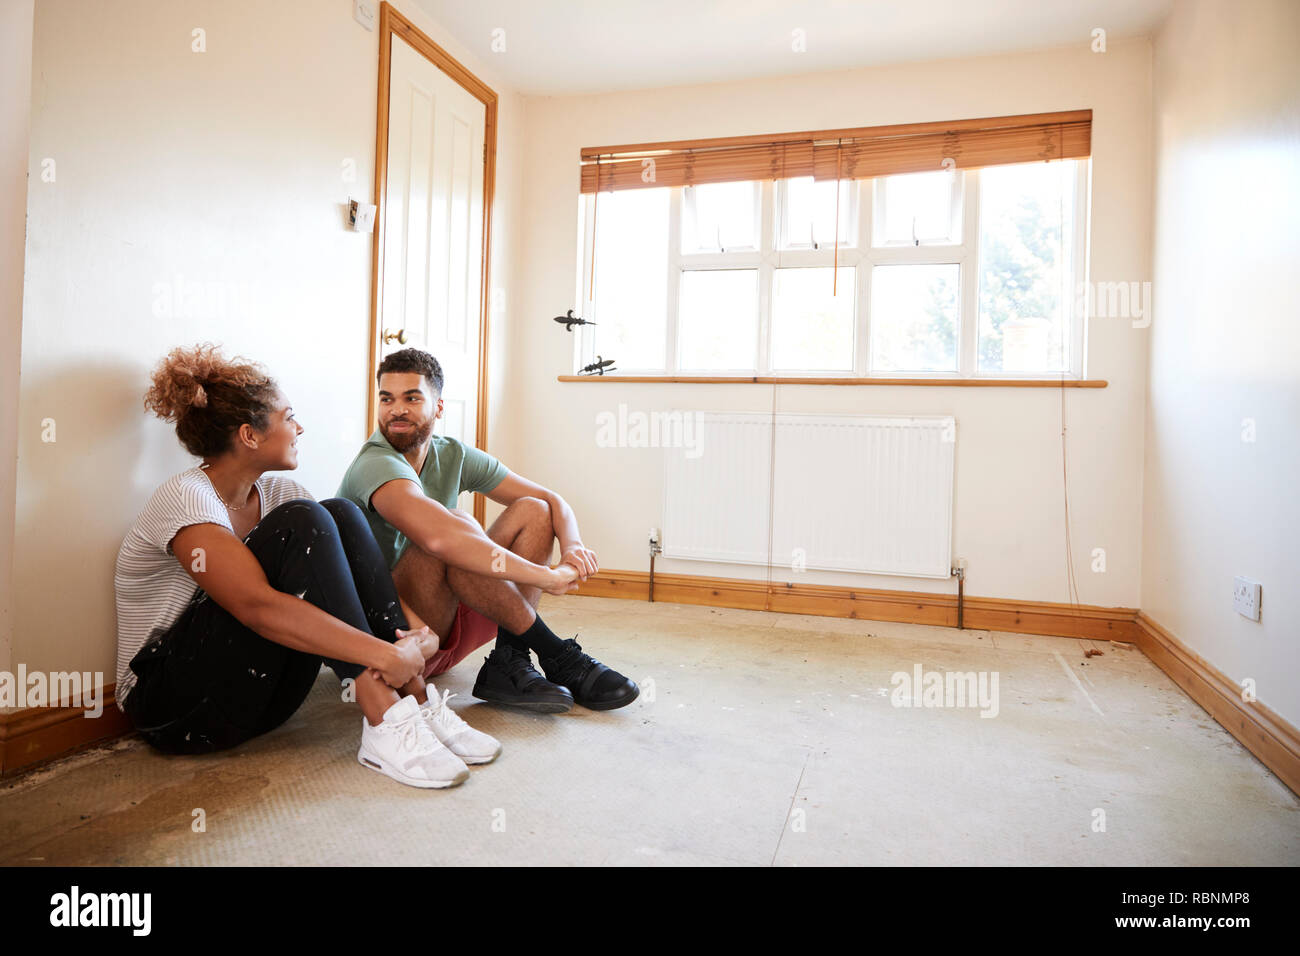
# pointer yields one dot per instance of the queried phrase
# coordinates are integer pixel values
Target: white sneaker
(470, 745)
(405, 749)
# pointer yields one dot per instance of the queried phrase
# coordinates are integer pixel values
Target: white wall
(1008, 514)
(1225, 339)
(15, 114)
(224, 168)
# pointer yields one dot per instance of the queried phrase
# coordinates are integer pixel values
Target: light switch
(363, 11)
(361, 216)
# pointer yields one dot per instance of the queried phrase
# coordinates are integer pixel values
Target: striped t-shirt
(152, 586)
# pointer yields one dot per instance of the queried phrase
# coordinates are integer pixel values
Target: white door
(433, 234)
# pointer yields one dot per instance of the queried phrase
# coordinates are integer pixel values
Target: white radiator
(851, 492)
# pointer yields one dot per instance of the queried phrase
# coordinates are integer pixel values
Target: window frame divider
(672, 298)
(968, 328)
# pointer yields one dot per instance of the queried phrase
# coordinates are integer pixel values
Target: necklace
(229, 507)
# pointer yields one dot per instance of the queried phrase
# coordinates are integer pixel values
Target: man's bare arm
(461, 544)
(563, 520)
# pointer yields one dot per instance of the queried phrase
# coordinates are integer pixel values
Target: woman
(233, 585)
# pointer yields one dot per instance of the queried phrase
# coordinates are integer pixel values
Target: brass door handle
(399, 336)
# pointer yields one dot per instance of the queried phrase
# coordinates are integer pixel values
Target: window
(810, 214)
(918, 208)
(631, 261)
(811, 328)
(719, 217)
(718, 314)
(916, 317)
(1026, 268)
(951, 273)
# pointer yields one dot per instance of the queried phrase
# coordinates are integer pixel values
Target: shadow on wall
(90, 457)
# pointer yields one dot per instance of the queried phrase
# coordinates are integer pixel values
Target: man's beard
(404, 441)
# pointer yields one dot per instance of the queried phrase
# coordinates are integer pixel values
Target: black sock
(538, 638)
(506, 640)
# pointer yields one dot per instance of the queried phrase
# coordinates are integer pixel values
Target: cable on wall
(1071, 579)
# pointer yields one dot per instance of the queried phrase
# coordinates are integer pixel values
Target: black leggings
(209, 682)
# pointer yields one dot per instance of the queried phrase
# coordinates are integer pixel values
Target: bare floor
(759, 739)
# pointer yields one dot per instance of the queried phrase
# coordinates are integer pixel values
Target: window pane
(916, 206)
(812, 330)
(717, 325)
(720, 216)
(1026, 219)
(631, 299)
(810, 212)
(914, 318)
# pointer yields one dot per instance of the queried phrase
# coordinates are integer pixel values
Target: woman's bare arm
(233, 577)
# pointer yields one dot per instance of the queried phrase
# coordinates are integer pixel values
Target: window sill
(810, 380)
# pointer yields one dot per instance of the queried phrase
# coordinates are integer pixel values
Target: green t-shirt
(450, 468)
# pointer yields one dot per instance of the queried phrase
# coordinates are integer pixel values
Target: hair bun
(208, 396)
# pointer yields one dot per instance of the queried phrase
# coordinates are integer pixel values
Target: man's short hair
(413, 360)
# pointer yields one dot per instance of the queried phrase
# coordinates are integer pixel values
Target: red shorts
(470, 630)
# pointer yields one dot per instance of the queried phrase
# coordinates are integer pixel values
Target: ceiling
(559, 47)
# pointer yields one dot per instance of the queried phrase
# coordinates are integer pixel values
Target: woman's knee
(294, 524)
(300, 513)
(343, 509)
(353, 527)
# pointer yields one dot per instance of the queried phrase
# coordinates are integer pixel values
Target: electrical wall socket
(1245, 597)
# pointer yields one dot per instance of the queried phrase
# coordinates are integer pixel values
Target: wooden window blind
(861, 153)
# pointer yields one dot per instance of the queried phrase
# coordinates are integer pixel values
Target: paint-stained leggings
(209, 682)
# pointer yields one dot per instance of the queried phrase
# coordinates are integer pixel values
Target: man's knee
(532, 510)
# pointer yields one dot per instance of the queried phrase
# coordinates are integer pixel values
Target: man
(467, 586)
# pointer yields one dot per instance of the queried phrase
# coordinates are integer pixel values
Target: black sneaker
(592, 684)
(508, 677)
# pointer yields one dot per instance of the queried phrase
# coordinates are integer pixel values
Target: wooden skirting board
(909, 607)
(37, 734)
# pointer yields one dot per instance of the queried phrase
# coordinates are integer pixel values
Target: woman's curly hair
(208, 397)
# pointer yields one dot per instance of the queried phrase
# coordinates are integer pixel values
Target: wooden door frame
(393, 23)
